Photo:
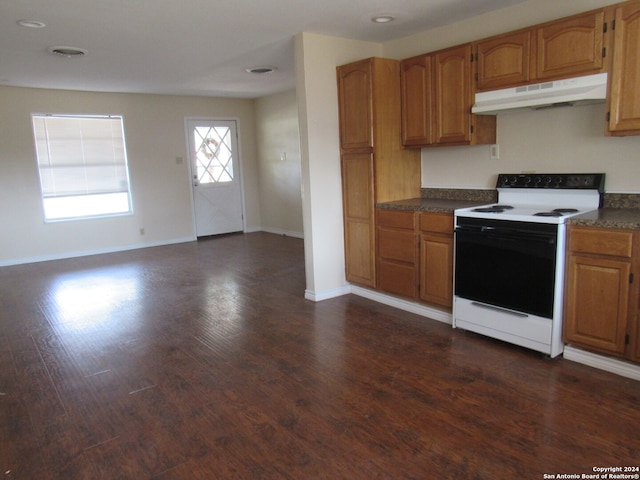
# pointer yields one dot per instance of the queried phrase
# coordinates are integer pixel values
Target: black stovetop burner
(493, 208)
(557, 212)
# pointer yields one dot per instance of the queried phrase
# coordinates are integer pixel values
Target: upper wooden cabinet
(505, 61)
(572, 46)
(375, 167)
(624, 80)
(355, 97)
(452, 89)
(437, 94)
(417, 101)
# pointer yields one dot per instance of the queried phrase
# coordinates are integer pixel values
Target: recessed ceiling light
(67, 52)
(383, 18)
(261, 70)
(31, 23)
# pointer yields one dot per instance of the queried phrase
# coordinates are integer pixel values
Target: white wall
(279, 170)
(155, 134)
(316, 59)
(568, 139)
(560, 140)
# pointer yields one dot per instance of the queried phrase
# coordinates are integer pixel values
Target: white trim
(399, 303)
(327, 294)
(406, 305)
(601, 362)
(278, 231)
(99, 251)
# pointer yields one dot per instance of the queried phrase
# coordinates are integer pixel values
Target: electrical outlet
(141, 230)
(179, 160)
(495, 152)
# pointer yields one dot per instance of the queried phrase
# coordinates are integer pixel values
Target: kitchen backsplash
(487, 196)
(621, 200)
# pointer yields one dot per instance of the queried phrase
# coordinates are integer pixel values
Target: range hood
(570, 91)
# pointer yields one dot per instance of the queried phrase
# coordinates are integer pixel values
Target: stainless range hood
(570, 91)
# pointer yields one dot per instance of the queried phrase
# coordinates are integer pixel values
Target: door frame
(190, 168)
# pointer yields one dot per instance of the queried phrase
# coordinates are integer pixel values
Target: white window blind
(82, 163)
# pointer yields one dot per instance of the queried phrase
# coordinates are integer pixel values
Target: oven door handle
(500, 309)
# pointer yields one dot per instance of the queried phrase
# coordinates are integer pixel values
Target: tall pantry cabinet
(375, 167)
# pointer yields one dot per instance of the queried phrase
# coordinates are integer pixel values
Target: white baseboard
(287, 233)
(406, 305)
(601, 362)
(135, 246)
(327, 294)
(98, 251)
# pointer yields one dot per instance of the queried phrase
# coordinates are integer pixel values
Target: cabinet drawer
(397, 278)
(436, 222)
(601, 241)
(397, 245)
(396, 219)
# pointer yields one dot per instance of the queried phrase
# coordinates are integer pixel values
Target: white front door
(215, 176)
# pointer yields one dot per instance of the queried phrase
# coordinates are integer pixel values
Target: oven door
(506, 264)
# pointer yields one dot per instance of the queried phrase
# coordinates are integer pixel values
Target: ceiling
(195, 47)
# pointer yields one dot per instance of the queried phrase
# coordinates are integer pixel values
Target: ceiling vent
(67, 52)
(260, 70)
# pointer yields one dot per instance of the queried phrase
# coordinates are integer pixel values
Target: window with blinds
(82, 162)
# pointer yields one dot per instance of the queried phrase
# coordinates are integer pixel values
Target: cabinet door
(572, 46)
(417, 100)
(504, 61)
(596, 304)
(625, 74)
(355, 99)
(436, 269)
(452, 69)
(359, 233)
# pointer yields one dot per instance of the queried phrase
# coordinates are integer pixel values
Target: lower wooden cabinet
(397, 255)
(601, 295)
(358, 211)
(415, 255)
(436, 258)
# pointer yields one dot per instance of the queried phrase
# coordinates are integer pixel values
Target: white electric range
(509, 257)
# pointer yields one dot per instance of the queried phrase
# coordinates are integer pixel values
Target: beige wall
(566, 139)
(155, 134)
(316, 59)
(278, 149)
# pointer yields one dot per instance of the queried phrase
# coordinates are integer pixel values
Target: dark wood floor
(204, 361)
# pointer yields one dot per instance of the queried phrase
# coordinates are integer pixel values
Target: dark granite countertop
(609, 218)
(620, 210)
(443, 200)
(433, 205)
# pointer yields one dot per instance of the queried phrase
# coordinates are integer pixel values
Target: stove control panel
(588, 181)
